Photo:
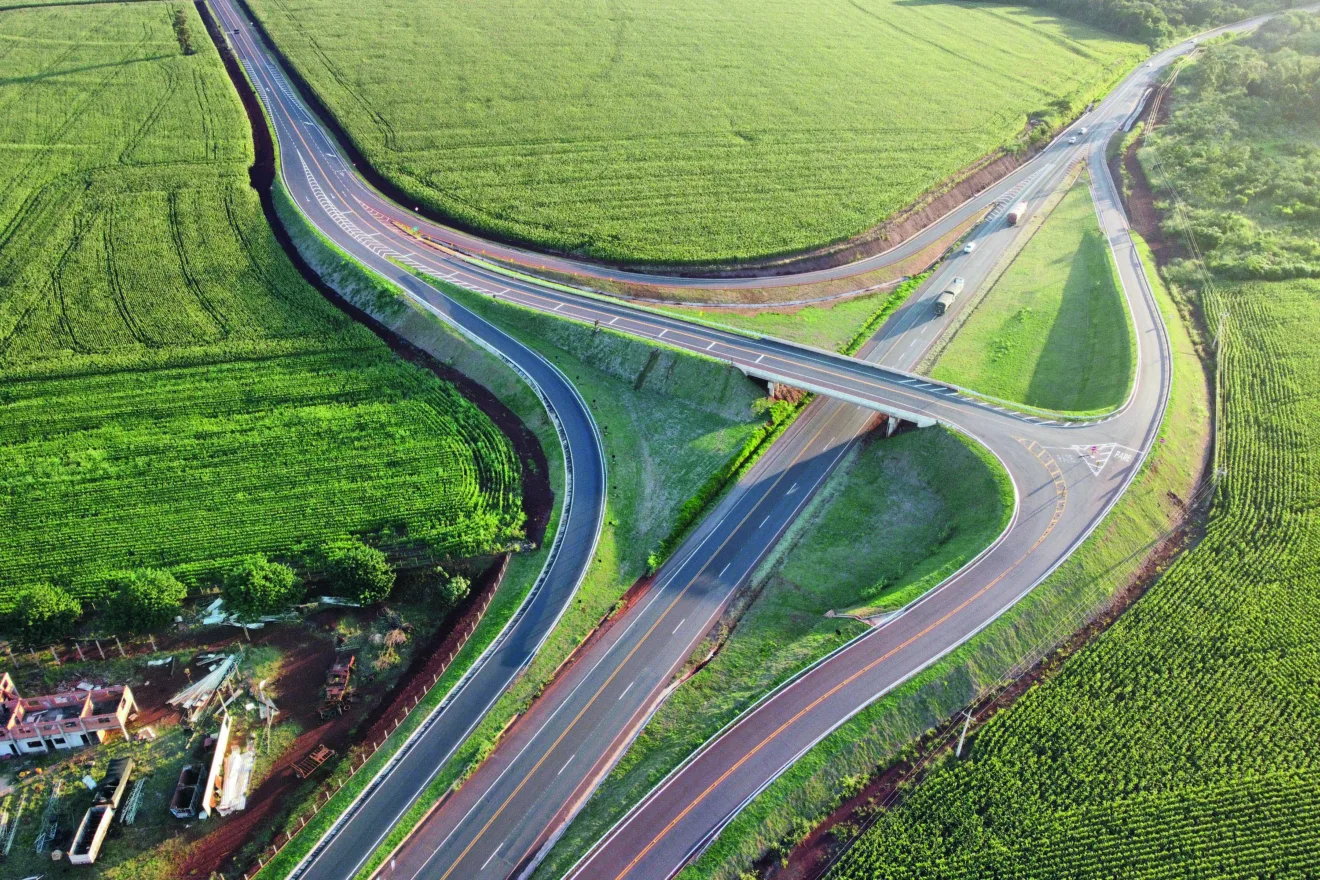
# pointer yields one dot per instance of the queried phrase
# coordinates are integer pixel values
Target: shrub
(143, 599)
(257, 586)
(363, 572)
(454, 590)
(42, 614)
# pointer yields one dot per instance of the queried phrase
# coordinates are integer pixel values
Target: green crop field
(1177, 744)
(683, 130)
(1054, 331)
(174, 393)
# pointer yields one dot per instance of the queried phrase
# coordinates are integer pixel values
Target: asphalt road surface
(1066, 477)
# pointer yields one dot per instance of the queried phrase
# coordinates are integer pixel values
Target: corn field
(1182, 743)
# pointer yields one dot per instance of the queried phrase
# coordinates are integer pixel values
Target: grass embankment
(176, 395)
(1054, 331)
(1101, 568)
(842, 326)
(681, 131)
(895, 519)
(1174, 745)
(668, 420)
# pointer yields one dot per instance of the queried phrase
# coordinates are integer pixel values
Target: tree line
(146, 599)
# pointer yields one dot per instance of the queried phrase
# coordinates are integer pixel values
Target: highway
(1066, 477)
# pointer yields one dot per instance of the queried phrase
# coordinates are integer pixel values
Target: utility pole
(963, 737)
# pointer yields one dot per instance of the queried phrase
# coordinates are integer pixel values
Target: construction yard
(226, 729)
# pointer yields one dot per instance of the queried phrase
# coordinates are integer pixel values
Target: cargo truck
(950, 293)
(1015, 216)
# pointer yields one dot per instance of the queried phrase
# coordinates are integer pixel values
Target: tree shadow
(1103, 371)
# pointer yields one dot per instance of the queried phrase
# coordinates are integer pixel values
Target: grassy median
(1054, 331)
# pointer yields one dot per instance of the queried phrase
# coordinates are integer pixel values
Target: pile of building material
(92, 830)
(129, 813)
(236, 778)
(50, 818)
(215, 614)
(213, 777)
(14, 823)
(196, 697)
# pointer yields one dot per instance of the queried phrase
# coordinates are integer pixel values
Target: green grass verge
(895, 519)
(1054, 331)
(1106, 563)
(678, 131)
(842, 326)
(669, 420)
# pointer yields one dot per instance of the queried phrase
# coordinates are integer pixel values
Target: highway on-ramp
(1066, 477)
(573, 544)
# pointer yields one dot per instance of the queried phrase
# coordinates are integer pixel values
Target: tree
(143, 599)
(362, 572)
(42, 614)
(454, 590)
(257, 586)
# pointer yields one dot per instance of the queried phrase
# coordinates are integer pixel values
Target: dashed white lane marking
(615, 318)
(661, 333)
(764, 521)
(675, 632)
(792, 490)
(562, 769)
(725, 568)
(625, 690)
(557, 308)
(709, 347)
(758, 358)
(497, 850)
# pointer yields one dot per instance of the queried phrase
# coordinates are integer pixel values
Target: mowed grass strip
(893, 521)
(680, 131)
(1054, 331)
(174, 393)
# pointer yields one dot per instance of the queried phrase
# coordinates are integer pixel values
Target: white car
(971, 246)
(1073, 139)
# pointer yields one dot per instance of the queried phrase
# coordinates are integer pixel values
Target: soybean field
(174, 394)
(680, 131)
